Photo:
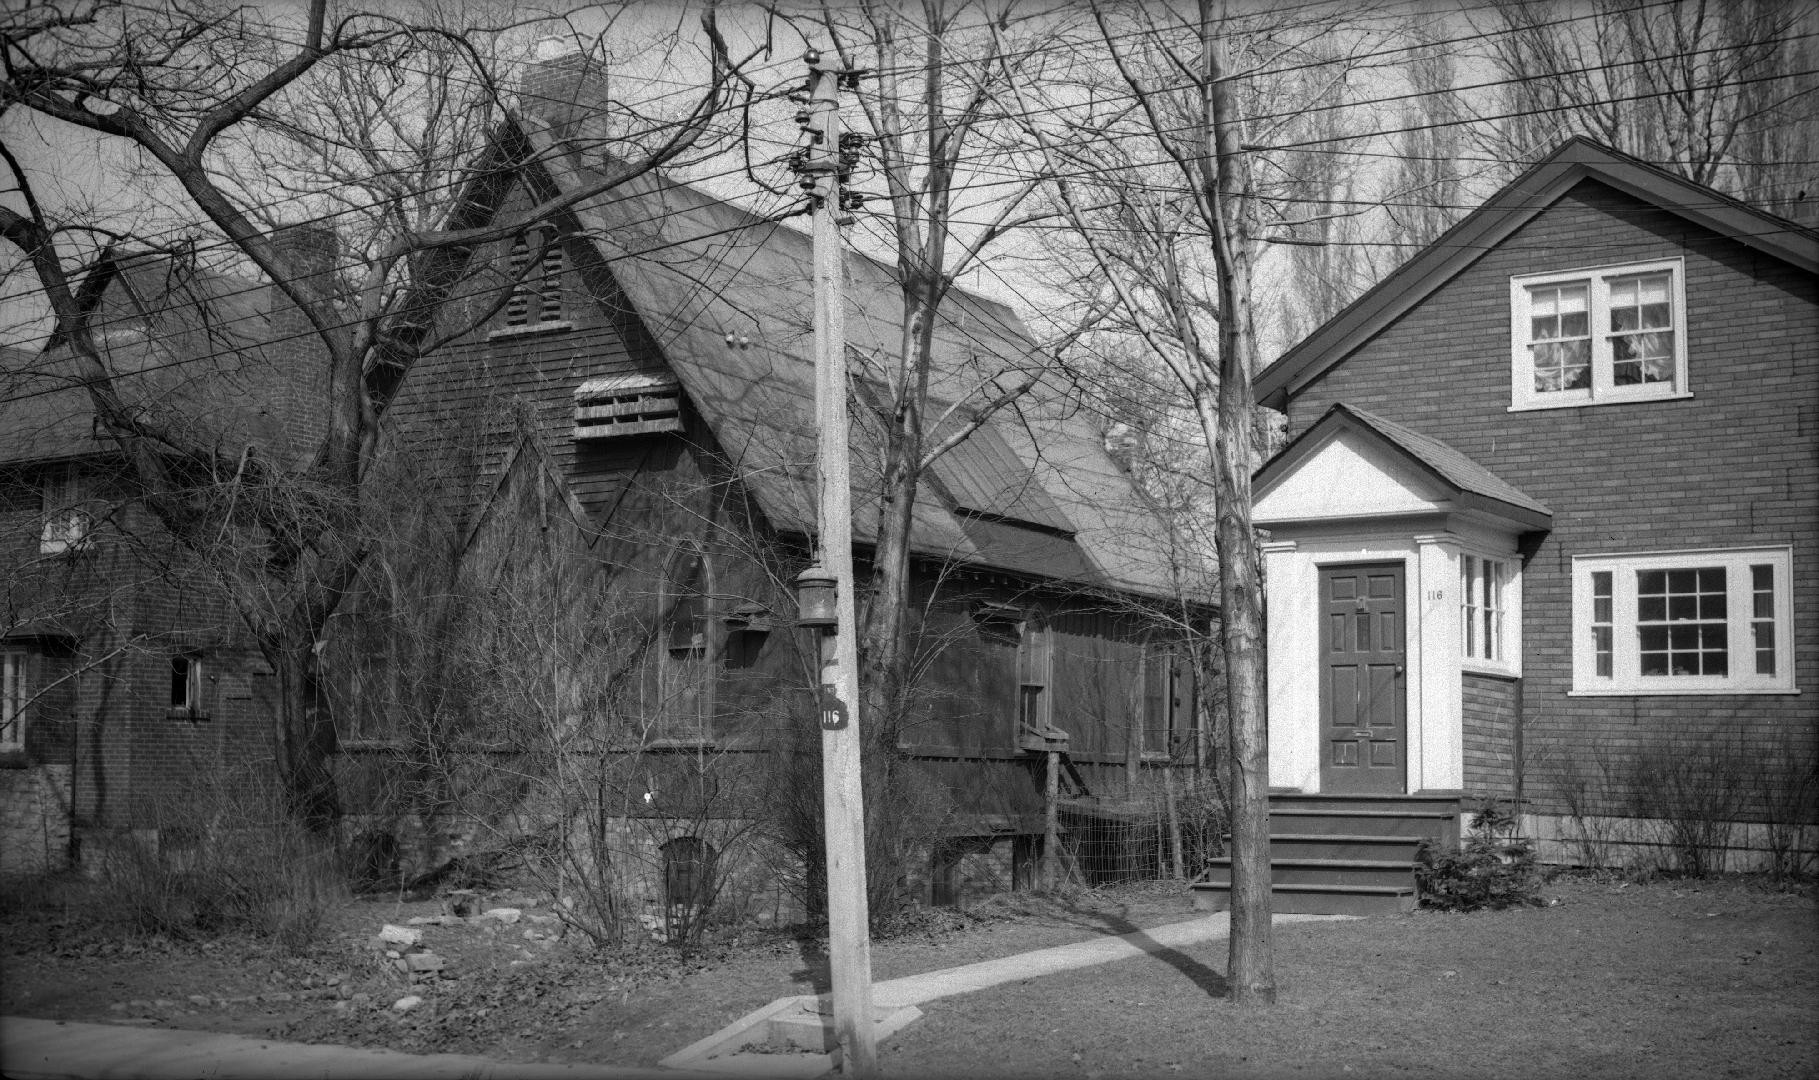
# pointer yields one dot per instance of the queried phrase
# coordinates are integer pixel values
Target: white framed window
(1598, 336)
(13, 697)
(1485, 593)
(1693, 622)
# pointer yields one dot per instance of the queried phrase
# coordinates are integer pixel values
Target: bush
(230, 860)
(1491, 869)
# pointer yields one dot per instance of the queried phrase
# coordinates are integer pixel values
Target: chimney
(314, 248)
(568, 93)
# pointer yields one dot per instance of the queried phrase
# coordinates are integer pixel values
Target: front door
(1363, 716)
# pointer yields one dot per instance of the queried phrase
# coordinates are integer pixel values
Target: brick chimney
(568, 93)
(294, 386)
(314, 248)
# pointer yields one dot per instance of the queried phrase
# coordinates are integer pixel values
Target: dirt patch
(518, 992)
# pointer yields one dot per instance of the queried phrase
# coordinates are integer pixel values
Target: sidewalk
(57, 1050)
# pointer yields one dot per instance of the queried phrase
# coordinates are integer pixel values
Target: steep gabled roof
(727, 295)
(185, 347)
(1466, 484)
(1508, 210)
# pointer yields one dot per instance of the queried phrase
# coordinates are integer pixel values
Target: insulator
(802, 117)
(811, 58)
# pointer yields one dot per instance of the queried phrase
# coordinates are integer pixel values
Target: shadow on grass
(1202, 976)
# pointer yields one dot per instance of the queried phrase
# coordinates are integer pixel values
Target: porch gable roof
(1413, 460)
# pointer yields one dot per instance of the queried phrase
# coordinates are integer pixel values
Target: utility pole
(822, 165)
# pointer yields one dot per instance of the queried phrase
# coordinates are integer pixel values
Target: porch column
(1436, 690)
(1291, 646)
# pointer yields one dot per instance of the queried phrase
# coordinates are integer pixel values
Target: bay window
(1683, 622)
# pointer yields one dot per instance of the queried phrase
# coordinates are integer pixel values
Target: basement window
(619, 405)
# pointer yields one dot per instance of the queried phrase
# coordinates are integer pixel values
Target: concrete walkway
(57, 1050)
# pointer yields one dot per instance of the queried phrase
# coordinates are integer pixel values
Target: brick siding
(1732, 466)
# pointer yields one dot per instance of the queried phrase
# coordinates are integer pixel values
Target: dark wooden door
(1363, 712)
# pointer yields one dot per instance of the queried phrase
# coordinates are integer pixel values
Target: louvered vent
(619, 405)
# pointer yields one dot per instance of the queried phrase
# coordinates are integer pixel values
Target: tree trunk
(306, 740)
(1250, 972)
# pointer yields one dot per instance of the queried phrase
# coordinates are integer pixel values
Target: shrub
(1491, 869)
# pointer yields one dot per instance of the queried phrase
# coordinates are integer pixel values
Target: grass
(1612, 980)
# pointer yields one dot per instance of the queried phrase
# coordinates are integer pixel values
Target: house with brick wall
(129, 682)
(1546, 528)
(639, 377)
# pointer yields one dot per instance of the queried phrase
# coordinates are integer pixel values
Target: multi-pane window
(1594, 336)
(1481, 608)
(12, 699)
(1690, 622)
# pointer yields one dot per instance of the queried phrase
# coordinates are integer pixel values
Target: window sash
(1483, 584)
(12, 699)
(1706, 621)
(1593, 336)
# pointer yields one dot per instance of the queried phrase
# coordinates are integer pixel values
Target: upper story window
(66, 521)
(536, 267)
(1593, 337)
(1711, 622)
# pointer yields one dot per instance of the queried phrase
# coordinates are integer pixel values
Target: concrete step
(1430, 824)
(1293, 800)
(1315, 899)
(1399, 874)
(1343, 846)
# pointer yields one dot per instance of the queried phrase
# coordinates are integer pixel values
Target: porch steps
(1342, 854)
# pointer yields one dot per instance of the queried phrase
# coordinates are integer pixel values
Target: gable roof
(185, 347)
(1468, 485)
(1501, 215)
(726, 295)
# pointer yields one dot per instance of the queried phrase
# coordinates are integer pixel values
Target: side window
(1483, 620)
(1600, 336)
(13, 696)
(686, 651)
(186, 683)
(1035, 653)
(1168, 701)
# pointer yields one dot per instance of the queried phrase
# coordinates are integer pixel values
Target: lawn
(1703, 979)
(1612, 979)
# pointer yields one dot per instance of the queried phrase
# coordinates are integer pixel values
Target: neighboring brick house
(643, 377)
(1547, 525)
(129, 683)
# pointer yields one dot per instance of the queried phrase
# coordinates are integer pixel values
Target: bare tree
(214, 95)
(1721, 92)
